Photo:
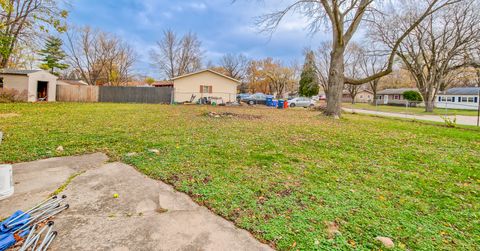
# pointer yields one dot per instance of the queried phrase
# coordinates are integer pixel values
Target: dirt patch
(8, 115)
(232, 115)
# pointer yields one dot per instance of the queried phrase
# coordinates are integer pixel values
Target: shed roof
(463, 91)
(17, 72)
(207, 70)
(398, 91)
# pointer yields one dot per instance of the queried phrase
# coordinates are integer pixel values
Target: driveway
(147, 215)
(461, 120)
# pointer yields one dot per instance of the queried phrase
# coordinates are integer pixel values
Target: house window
(396, 97)
(470, 100)
(206, 89)
(465, 99)
(379, 97)
(446, 99)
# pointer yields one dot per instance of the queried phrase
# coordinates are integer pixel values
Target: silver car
(301, 102)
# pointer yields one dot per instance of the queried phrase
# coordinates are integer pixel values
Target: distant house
(165, 83)
(39, 85)
(466, 98)
(393, 96)
(73, 82)
(363, 96)
(205, 84)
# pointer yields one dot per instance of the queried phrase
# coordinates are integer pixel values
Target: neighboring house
(363, 96)
(165, 83)
(39, 85)
(393, 96)
(206, 83)
(73, 82)
(459, 98)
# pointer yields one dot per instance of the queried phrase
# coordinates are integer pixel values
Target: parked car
(256, 99)
(301, 102)
(243, 96)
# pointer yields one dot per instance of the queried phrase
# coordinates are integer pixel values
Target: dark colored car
(256, 99)
(243, 96)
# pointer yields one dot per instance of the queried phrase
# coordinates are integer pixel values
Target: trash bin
(274, 103)
(6, 181)
(269, 101)
(281, 104)
(285, 104)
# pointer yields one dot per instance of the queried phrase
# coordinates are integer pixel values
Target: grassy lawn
(410, 110)
(282, 174)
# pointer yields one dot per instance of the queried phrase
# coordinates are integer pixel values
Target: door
(42, 91)
(385, 99)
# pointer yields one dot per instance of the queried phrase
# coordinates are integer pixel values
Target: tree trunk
(429, 105)
(336, 80)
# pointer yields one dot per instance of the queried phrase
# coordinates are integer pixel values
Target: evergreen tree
(309, 85)
(53, 56)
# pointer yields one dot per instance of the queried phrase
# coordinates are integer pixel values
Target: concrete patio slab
(35, 181)
(147, 215)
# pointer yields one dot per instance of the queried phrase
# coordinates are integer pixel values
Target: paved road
(147, 215)
(461, 120)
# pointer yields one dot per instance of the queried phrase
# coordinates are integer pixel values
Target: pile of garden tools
(33, 229)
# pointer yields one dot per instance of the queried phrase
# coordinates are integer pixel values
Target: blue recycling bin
(274, 103)
(269, 101)
(281, 103)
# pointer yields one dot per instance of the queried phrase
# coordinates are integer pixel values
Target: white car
(301, 102)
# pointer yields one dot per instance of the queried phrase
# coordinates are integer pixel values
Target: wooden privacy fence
(150, 95)
(77, 93)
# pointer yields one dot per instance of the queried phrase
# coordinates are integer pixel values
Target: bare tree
(372, 61)
(344, 18)
(354, 55)
(235, 65)
(177, 56)
(99, 57)
(437, 46)
(323, 64)
(23, 21)
(282, 78)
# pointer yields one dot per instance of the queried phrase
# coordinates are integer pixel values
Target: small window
(205, 89)
(471, 99)
(464, 99)
(396, 97)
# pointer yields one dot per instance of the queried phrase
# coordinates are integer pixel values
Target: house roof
(163, 83)
(398, 91)
(463, 91)
(73, 81)
(207, 70)
(17, 72)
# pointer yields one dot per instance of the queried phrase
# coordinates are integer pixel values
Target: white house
(38, 85)
(466, 98)
(205, 84)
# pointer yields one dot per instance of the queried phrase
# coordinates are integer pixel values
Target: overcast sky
(222, 26)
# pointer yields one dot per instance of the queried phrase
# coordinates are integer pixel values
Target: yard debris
(155, 151)
(332, 229)
(232, 115)
(132, 154)
(387, 242)
(20, 228)
(8, 115)
(60, 149)
(115, 195)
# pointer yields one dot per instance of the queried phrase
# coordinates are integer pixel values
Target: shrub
(11, 95)
(412, 96)
(450, 122)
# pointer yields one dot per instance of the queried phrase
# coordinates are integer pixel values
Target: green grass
(284, 175)
(410, 110)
